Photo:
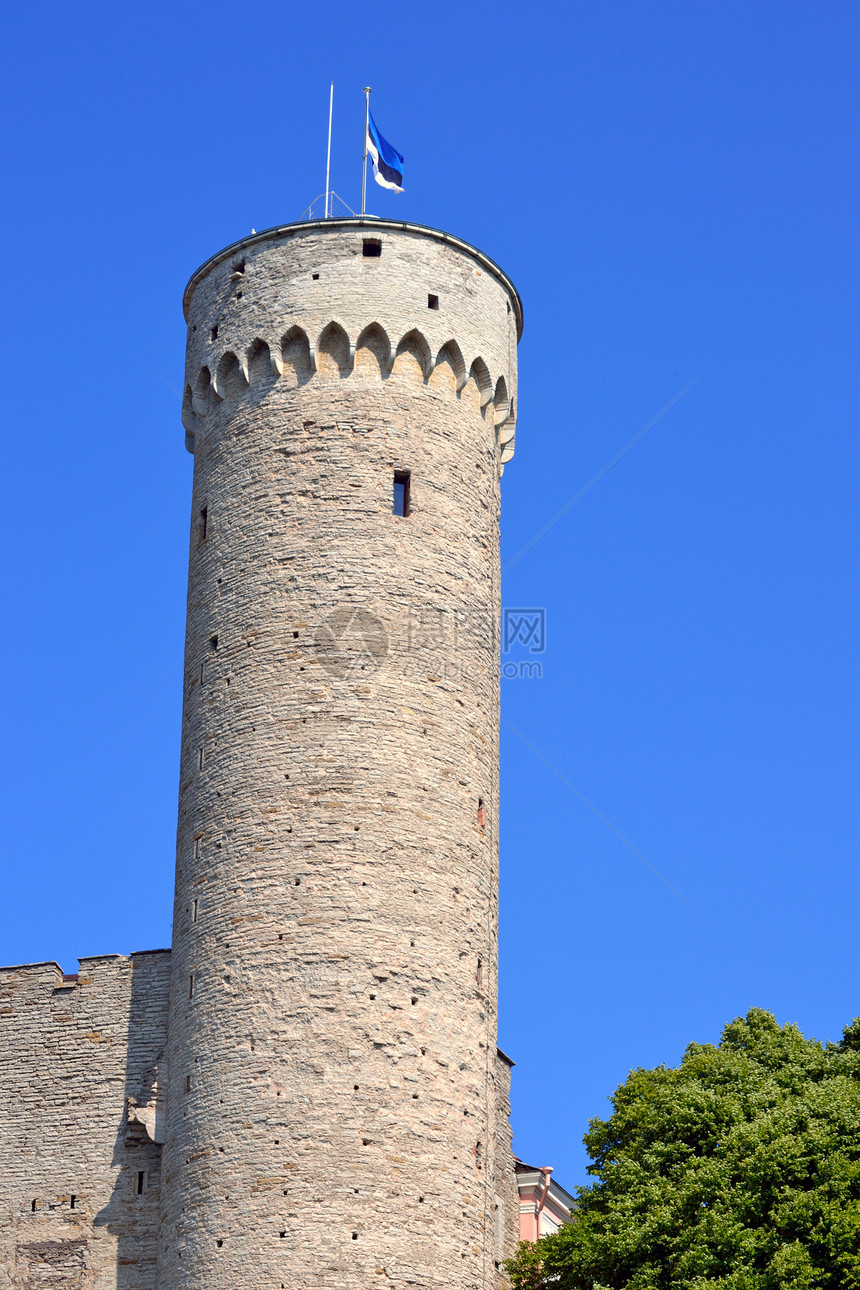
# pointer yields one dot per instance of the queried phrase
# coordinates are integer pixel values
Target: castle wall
(505, 1195)
(72, 1052)
(334, 1100)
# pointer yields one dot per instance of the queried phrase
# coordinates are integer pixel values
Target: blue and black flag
(387, 161)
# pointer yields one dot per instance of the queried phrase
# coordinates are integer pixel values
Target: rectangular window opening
(204, 522)
(187, 1083)
(141, 1180)
(432, 302)
(402, 480)
(191, 987)
(194, 911)
(72, 1200)
(371, 248)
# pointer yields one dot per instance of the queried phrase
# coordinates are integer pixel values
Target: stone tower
(336, 1106)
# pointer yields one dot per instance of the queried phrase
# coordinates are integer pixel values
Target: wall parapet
(371, 223)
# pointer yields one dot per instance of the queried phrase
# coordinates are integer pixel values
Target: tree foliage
(740, 1169)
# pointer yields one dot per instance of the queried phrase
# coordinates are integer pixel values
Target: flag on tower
(387, 161)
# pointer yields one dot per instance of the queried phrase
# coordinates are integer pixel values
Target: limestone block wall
(79, 1180)
(334, 1096)
(506, 1197)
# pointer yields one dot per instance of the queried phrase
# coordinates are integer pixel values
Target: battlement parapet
(306, 304)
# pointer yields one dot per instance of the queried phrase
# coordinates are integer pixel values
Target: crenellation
(352, 300)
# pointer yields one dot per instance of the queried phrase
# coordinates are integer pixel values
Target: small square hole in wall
(432, 302)
(402, 480)
(371, 248)
(316, 277)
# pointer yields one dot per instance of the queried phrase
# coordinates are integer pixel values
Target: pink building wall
(544, 1205)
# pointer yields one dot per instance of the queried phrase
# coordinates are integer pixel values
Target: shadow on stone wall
(132, 1213)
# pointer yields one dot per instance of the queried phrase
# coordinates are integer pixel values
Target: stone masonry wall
(75, 1213)
(506, 1197)
(334, 1095)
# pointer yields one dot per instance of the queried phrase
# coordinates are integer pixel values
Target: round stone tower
(333, 1086)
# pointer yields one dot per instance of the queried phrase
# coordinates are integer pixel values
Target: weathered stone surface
(328, 1091)
(72, 1052)
(332, 1106)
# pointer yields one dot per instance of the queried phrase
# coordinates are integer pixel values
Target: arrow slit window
(401, 492)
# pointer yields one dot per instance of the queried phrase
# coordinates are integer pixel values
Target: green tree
(739, 1169)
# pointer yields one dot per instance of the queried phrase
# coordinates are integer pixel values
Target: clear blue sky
(674, 189)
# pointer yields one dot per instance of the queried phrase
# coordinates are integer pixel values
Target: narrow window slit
(191, 986)
(194, 911)
(402, 480)
(141, 1179)
(432, 302)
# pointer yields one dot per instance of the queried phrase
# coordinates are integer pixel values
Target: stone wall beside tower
(80, 1062)
(333, 1078)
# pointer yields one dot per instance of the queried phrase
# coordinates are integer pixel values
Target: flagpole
(364, 157)
(328, 154)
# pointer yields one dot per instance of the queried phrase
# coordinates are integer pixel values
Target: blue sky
(674, 189)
